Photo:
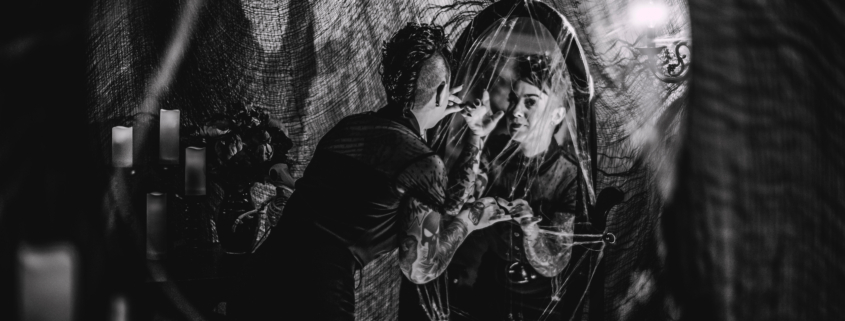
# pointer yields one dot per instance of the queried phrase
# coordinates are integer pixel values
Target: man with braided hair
(373, 185)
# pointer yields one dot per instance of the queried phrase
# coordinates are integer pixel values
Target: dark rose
(263, 152)
(255, 121)
(228, 147)
(258, 136)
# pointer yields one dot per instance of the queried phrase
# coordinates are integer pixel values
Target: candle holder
(669, 66)
(169, 137)
(195, 171)
(197, 226)
(156, 226)
(666, 63)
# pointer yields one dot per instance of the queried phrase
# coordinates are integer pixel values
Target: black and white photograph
(422, 160)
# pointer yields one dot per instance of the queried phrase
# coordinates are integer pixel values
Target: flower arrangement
(244, 145)
(247, 167)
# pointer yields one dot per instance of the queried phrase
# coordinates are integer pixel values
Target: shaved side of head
(433, 76)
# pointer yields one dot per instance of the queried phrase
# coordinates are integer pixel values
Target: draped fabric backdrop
(311, 63)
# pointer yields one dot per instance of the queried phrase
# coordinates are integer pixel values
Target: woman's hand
(454, 101)
(478, 118)
(522, 213)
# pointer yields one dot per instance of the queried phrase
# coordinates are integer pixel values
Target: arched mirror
(510, 39)
(523, 58)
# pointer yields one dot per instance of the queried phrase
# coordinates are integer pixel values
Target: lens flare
(648, 14)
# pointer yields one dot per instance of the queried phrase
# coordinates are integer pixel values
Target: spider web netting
(311, 63)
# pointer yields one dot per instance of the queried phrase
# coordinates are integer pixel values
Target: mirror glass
(525, 59)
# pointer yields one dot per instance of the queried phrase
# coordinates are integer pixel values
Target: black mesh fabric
(311, 63)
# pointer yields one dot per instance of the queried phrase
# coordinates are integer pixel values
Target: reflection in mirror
(523, 59)
(518, 63)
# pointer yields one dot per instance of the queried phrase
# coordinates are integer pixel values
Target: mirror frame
(576, 61)
(583, 92)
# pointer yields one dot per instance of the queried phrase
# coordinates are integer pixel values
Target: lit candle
(119, 309)
(121, 146)
(46, 276)
(168, 139)
(156, 225)
(195, 171)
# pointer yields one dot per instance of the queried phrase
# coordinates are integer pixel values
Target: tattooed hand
(522, 213)
(480, 184)
(485, 212)
(478, 118)
(548, 253)
(431, 239)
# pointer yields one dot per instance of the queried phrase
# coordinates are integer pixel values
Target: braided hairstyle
(404, 55)
(535, 70)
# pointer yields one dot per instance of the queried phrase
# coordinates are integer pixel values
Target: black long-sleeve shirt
(360, 172)
(548, 182)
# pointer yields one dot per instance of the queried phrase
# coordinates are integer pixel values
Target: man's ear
(439, 92)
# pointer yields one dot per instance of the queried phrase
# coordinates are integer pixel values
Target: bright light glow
(47, 281)
(121, 146)
(648, 14)
(195, 171)
(168, 136)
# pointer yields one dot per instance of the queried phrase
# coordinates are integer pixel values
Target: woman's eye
(530, 103)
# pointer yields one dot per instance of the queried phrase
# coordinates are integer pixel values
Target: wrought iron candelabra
(667, 63)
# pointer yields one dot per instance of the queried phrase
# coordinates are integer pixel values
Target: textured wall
(309, 62)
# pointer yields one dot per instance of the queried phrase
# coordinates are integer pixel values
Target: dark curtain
(755, 229)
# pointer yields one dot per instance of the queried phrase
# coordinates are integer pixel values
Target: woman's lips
(518, 126)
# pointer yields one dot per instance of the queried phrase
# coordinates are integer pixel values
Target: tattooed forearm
(462, 176)
(548, 253)
(429, 245)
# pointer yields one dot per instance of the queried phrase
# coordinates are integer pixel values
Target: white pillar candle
(168, 139)
(156, 225)
(121, 146)
(195, 171)
(47, 282)
(119, 309)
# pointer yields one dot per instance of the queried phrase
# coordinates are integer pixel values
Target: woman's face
(527, 116)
